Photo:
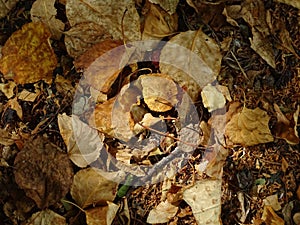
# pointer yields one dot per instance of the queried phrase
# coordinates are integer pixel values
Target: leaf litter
(254, 58)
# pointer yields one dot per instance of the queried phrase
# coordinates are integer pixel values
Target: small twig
(242, 70)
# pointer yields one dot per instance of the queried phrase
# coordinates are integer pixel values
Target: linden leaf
(192, 59)
(44, 11)
(27, 56)
(43, 172)
(249, 127)
(159, 92)
(90, 187)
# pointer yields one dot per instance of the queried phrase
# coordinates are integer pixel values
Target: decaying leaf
(46, 217)
(212, 98)
(112, 17)
(44, 11)
(168, 5)
(8, 89)
(159, 92)
(206, 206)
(91, 188)
(101, 215)
(249, 127)
(159, 24)
(285, 128)
(162, 213)
(27, 56)
(43, 172)
(6, 6)
(83, 142)
(192, 59)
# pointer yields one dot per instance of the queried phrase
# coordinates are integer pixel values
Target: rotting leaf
(101, 215)
(27, 56)
(191, 59)
(44, 11)
(159, 92)
(43, 171)
(86, 150)
(46, 217)
(206, 206)
(91, 188)
(249, 127)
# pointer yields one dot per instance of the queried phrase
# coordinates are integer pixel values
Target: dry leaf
(249, 127)
(6, 138)
(159, 92)
(14, 104)
(6, 6)
(91, 188)
(159, 24)
(28, 96)
(294, 3)
(212, 98)
(101, 215)
(108, 16)
(206, 206)
(64, 86)
(285, 128)
(44, 11)
(272, 200)
(46, 217)
(8, 89)
(162, 213)
(270, 217)
(27, 56)
(168, 5)
(83, 143)
(192, 59)
(43, 172)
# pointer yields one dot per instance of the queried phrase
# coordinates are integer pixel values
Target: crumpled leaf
(285, 128)
(6, 6)
(101, 215)
(272, 200)
(14, 104)
(206, 206)
(192, 59)
(158, 23)
(46, 217)
(91, 188)
(107, 14)
(249, 127)
(28, 96)
(44, 11)
(159, 92)
(270, 217)
(8, 89)
(6, 138)
(83, 142)
(168, 5)
(212, 98)
(162, 213)
(43, 172)
(27, 56)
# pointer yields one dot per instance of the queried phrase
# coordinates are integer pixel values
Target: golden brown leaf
(249, 127)
(101, 215)
(27, 56)
(6, 6)
(46, 217)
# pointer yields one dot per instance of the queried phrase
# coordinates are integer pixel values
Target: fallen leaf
(46, 217)
(64, 86)
(249, 127)
(212, 98)
(168, 5)
(158, 23)
(91, 188)
(101, 215)
(294, 3)
(162, 213)
(6, 6)
(28, 96)
(83, 142)
(286, 129)
(191, 59)
(206, 206)
(14, 104)
(6, 138)
(8, 89)
(44, 11)
(270, 217)
(27, 55)
(272, 200)
(43, 172)
(159, 92)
